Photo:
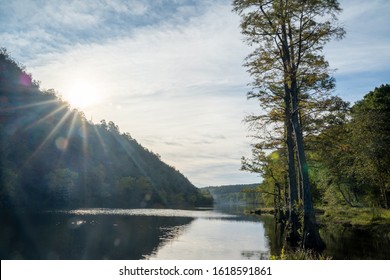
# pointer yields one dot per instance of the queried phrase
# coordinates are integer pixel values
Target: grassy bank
(354, 216)
(343, 215)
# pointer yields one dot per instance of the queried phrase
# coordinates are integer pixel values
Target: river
(198, 234)
(135, 234)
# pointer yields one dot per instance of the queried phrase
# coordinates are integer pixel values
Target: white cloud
(77, 15)
(29, 14)
(366, 45)
(175, 81)
(179, 90)
(132, 7)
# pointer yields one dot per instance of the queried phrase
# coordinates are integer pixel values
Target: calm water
(166, 234)
(134, 234)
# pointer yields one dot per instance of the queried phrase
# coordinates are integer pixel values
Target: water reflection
(342, 243)
(65, 236)
(132, 234)
(255, 255)
(216, 239)
(168, 234)
(357, 243)
(199, 213)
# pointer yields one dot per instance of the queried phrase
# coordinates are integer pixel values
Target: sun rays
(55, 157)
(82, 94)
(65, 125)
(51, 147)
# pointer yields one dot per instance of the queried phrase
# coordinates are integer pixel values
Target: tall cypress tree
(289, 69)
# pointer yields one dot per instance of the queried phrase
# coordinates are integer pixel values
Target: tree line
(234, 194)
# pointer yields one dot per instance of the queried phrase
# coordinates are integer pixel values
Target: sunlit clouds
(170, 72)
(82, 94)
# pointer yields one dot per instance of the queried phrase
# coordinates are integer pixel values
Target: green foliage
(350, 158)
(135, 191)
(355, 216)
(9, 187)
(370, 135)
(51, 156)
(235, 194)
(299, 254)
(61, 185)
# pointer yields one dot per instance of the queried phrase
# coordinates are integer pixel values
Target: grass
(299, 254)
(355, 216)
(344, 215)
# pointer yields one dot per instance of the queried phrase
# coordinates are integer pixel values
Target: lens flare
(82, 95)
(61, 143)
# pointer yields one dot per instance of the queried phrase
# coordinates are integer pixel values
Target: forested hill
(52, 157)
(234, 194)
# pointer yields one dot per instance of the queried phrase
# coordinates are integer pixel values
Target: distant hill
(52, 157)
(234, 194)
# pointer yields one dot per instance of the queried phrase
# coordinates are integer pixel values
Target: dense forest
(235, 194)
(53, 157)
(348, 160)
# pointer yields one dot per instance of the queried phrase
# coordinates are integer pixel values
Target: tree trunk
(384, 195)
(286, 190)
(311, 237)
(293, 236)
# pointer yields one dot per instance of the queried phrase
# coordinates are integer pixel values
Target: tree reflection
(64, 236)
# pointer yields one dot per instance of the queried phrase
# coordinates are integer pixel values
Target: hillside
(234, 194)
(52, 157)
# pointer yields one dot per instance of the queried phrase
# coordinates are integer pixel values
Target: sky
(169, 72)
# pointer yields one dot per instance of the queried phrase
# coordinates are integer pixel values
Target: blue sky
(170, 72)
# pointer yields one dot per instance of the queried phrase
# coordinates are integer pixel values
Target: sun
(82, 95)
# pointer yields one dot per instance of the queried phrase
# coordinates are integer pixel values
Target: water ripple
(151, 212)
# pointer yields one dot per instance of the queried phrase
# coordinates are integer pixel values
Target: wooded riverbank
(346, 216)
(348, 233)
